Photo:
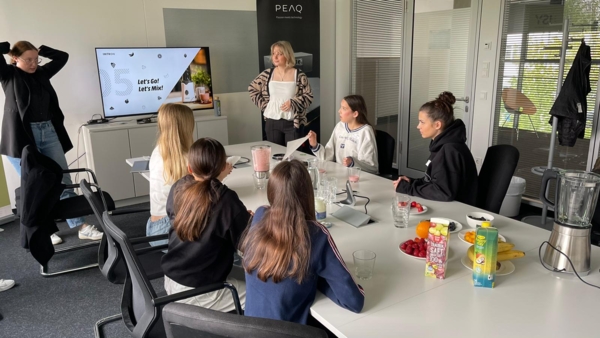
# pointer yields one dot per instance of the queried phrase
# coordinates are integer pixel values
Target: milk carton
(437, 248)
(486, 254)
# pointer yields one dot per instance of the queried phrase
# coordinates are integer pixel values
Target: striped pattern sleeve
(302, 100)
(335, 280)
(258, 89)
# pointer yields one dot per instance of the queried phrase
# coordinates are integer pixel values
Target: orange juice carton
(437, 248)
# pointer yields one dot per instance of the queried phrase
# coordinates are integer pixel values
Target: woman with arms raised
(288, 255)
(451, 172)
(208, 220)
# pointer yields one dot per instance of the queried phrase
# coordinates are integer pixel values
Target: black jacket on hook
(570, 106)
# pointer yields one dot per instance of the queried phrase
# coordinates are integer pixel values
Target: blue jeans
(159, 227)
(48, 144)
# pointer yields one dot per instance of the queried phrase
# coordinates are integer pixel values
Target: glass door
(442, 35)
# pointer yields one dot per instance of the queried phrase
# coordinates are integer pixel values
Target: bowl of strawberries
(415, 248)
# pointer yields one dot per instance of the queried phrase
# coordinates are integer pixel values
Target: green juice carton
(438, 239)
(485, 256)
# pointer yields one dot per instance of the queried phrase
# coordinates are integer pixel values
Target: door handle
(463, 99)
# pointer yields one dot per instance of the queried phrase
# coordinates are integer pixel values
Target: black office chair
(385, 153)
(189, 321)
(140, 305)
(494, 178)
(111, 264)
(39, 194)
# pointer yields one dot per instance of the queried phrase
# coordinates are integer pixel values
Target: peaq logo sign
(288, 9)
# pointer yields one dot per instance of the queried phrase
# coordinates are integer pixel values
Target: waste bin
(512, 201)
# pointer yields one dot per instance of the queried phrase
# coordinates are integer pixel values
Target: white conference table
(401, 301)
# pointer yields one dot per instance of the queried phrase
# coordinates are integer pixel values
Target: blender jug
(576, 196)
(575, 202)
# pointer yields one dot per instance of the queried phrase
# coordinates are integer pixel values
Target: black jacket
(570, 106)
(40, 190)
(210, 258)
(16, 130)
(451, 174)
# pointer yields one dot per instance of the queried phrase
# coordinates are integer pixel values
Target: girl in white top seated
(168, 162)
(353, 140)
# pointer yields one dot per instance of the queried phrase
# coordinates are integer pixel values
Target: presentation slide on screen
(139, 80)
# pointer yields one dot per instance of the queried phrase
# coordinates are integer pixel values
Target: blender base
(575, 243)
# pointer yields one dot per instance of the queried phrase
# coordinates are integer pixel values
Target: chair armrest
(149, 249)
(80, 170)
(198, 291)
(147, 239)
(126, 212)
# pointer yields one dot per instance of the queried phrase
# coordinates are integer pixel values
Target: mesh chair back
(109, 259)
(183, 320)
(137, 304)
(385, 151)
(494, 178)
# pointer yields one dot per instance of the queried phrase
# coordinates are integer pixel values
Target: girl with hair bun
(451, 172)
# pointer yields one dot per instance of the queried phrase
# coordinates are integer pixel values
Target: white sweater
(159, 189)
(359, 144)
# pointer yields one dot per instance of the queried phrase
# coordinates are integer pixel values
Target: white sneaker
(6, 284)
(55, 239)
(90, 232)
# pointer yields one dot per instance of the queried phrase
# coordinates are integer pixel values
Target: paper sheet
(293, 145)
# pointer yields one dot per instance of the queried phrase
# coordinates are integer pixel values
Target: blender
(575, 203)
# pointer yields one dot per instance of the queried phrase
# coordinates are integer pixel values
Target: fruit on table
(423, 229)
(505, 255)
(417, 206)
(470, 237)
(416, 247)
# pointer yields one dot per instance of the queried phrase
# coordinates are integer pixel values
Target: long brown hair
(357, 104)
(19, 48)
(441, 109)
(175, 137)
(193, 201)
(278, 246)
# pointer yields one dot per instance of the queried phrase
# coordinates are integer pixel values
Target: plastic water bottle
(217, 103)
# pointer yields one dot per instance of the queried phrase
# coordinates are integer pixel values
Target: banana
(508, 255)
(505, 255)
(504, 246)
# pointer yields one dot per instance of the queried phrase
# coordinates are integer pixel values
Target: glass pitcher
(313, 170)
(576, 196)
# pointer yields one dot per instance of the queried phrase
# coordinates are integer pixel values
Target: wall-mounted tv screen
(137, 81)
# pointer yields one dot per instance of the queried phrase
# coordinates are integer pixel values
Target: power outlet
(478, 161)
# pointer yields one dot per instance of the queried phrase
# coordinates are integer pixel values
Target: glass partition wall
(530, 57)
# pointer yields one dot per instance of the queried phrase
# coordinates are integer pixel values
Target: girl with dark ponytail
(451, 172)
(208, 219)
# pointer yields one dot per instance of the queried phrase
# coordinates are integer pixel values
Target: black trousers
(281, 131)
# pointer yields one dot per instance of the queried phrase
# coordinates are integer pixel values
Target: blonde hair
(175, 137)
(288, 52)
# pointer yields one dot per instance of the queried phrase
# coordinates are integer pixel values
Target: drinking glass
(353, 174)
(364, 263)
(401, 210)
(260, 180)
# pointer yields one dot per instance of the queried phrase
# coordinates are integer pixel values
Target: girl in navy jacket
(288, 255)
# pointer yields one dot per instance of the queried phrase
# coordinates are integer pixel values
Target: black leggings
(281, 131)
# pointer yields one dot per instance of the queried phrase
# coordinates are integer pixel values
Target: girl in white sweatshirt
(353, 140)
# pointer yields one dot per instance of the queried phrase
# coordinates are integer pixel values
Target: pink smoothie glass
(261, 158)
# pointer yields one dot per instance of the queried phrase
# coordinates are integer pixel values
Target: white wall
(485, 87)
(78, 26)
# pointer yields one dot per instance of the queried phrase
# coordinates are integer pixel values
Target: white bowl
(475, 223)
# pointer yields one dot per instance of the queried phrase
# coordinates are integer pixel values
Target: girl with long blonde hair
(168, 162)
(208, 221)
(288, 255)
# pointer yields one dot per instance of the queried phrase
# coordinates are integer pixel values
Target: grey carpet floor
(63, 306)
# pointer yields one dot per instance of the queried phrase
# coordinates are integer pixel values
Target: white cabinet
(107, 146)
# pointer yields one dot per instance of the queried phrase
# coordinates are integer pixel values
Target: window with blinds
(376, 59)
(530, 56)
